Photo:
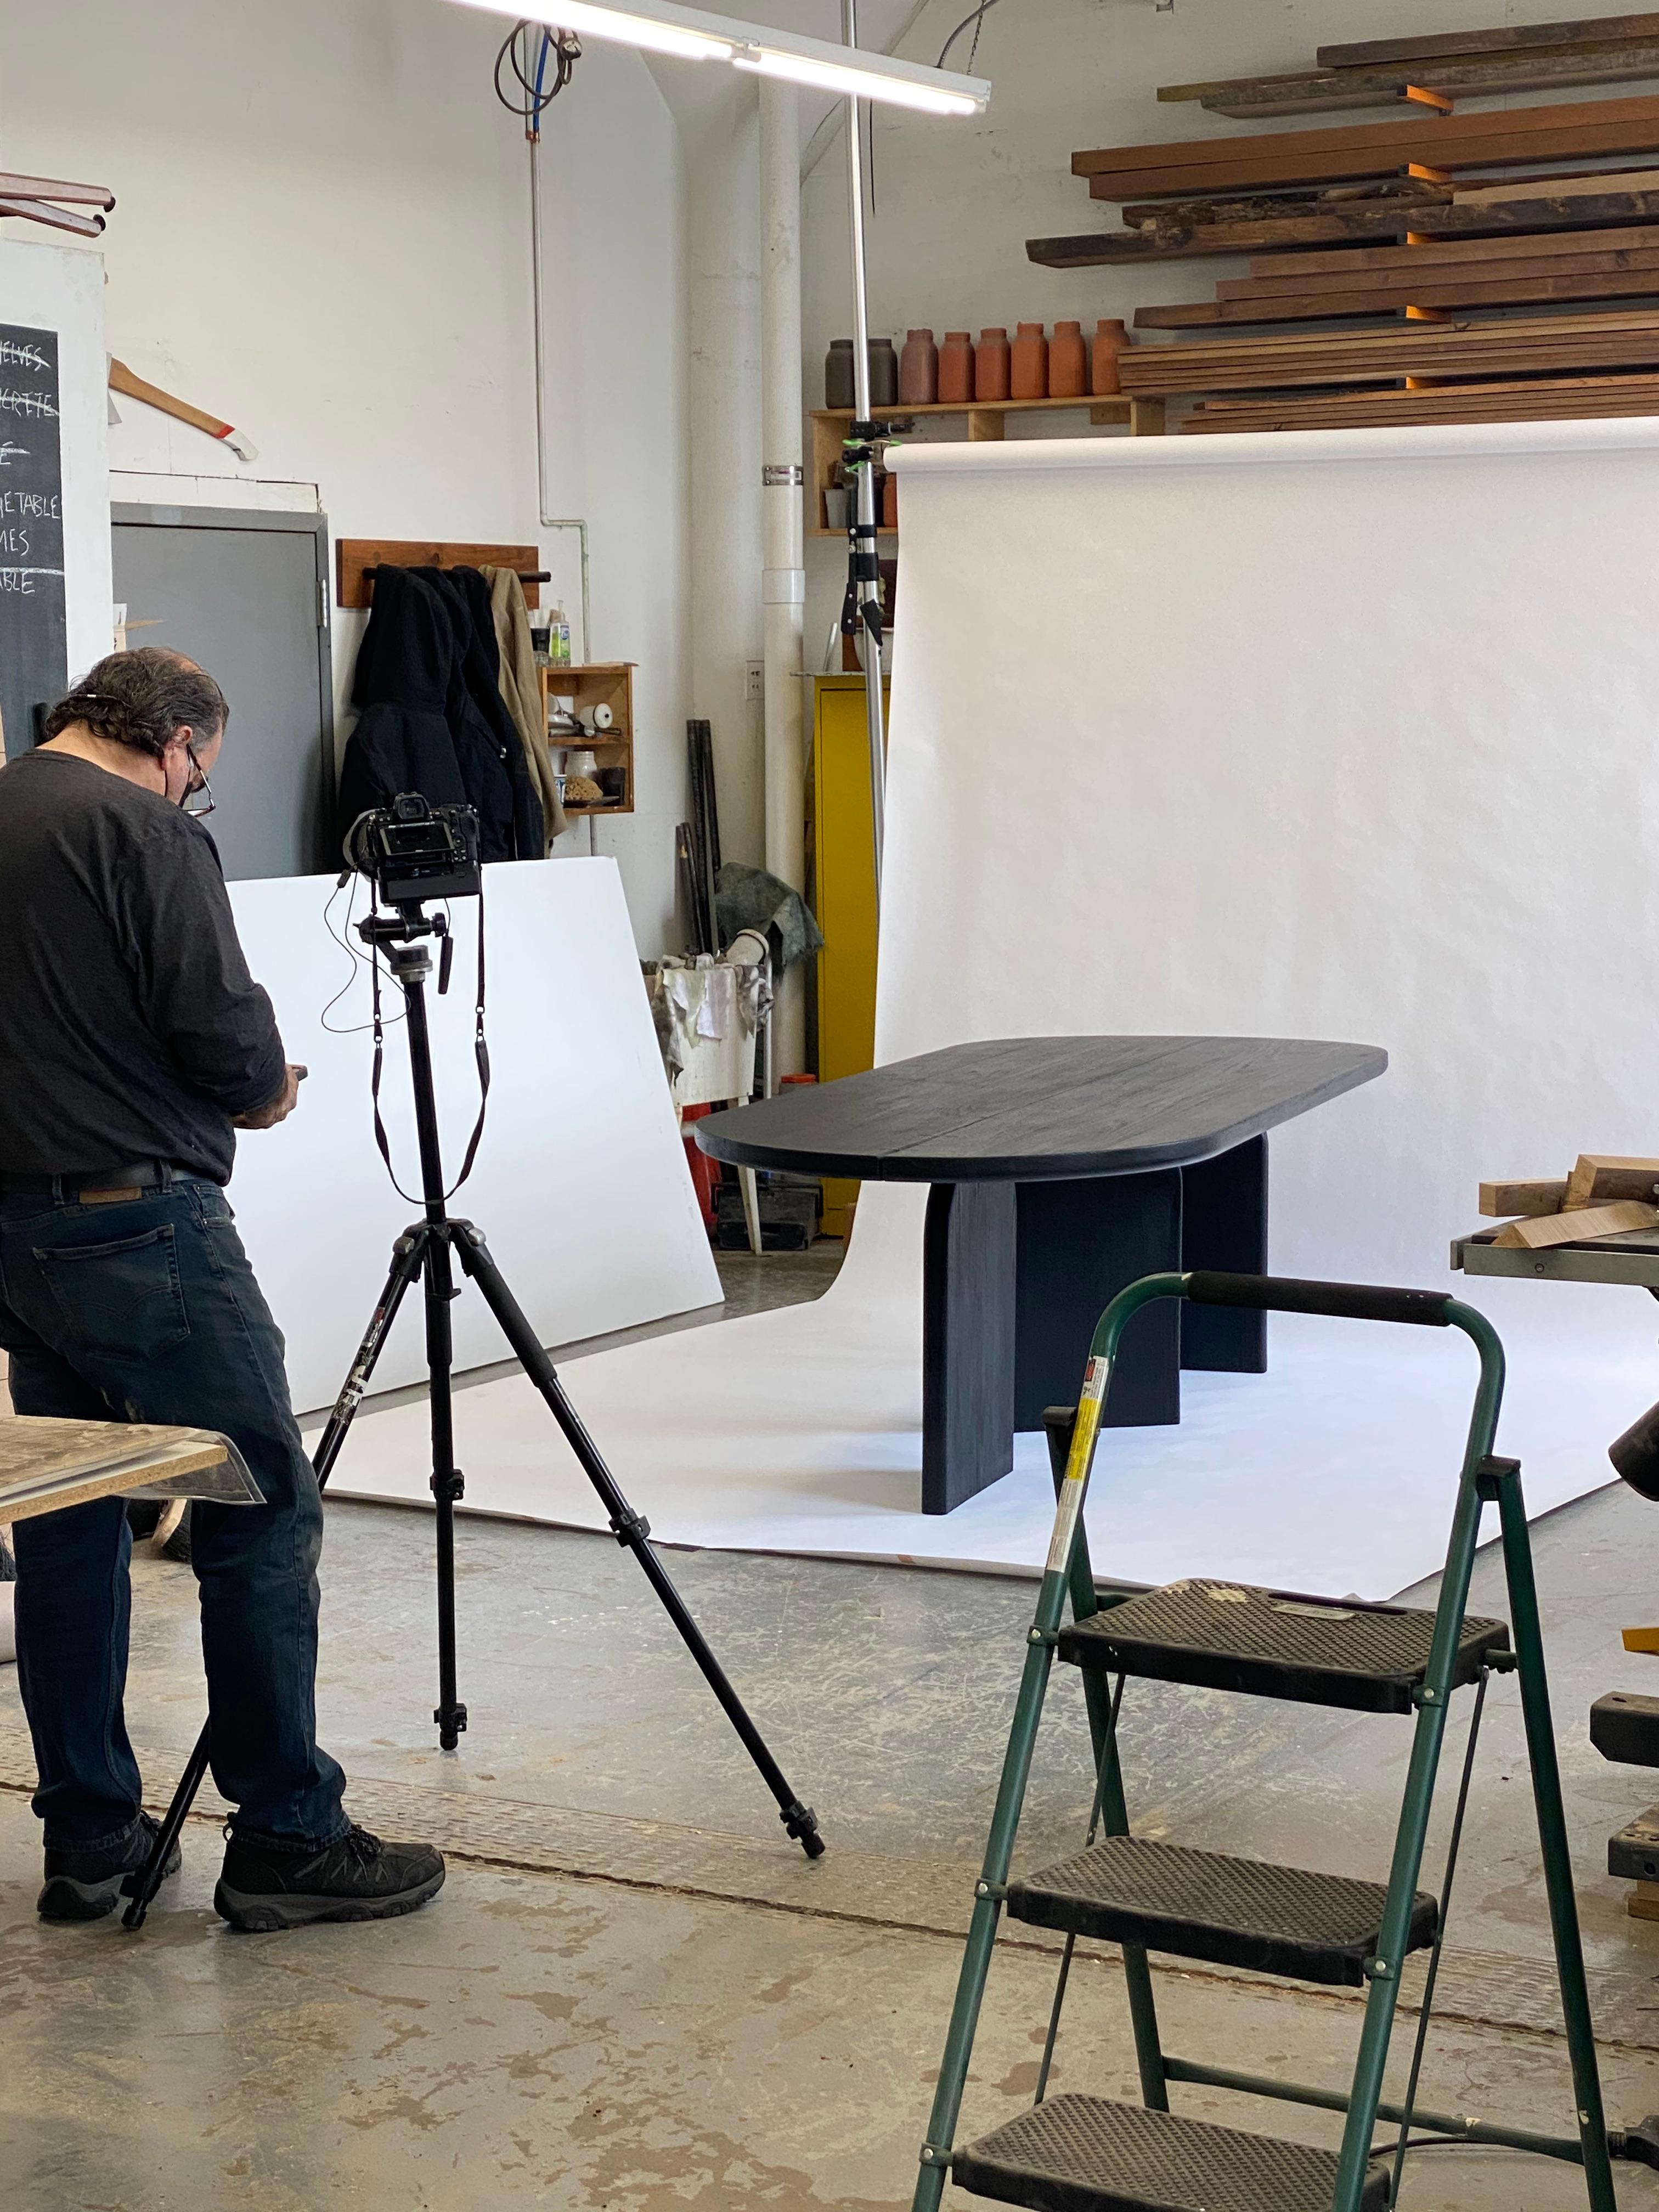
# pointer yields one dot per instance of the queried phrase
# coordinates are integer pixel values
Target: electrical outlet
(754, 689)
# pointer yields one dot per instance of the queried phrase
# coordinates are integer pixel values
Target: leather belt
(92, 1186)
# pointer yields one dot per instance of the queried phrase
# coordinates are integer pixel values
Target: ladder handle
(1345, 1301)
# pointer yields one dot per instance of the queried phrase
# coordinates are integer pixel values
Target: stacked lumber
(1472, 274)
(1460, 64)
(1535, 399)
(1575, 130)
(1624, 339)
(1603, 1196)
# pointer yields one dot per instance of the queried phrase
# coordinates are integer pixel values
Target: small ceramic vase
(956, 370)
(1027, 369)
(1110, 339)
(991, 365)
(890, 501)
(918, 373)
(884, 374)
(838, 373)
(1068, 362)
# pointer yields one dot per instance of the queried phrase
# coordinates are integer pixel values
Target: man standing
(133, 1042)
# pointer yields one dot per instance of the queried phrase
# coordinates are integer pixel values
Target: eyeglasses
(198, 789)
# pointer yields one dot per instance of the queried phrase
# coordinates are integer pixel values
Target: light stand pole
(860, 614)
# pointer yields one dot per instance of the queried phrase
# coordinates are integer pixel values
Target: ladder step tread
(1205, 1905)
(1084, 2154)
(1276, 1643)
(1625, 1729)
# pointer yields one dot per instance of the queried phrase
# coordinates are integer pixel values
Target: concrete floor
(634, 1995)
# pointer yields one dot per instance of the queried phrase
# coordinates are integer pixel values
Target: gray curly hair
(142, 699)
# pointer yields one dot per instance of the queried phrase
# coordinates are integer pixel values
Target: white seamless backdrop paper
(581, 1182)
(1346, 735)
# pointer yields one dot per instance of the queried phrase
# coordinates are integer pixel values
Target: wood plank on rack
(1533, 400)
(1629, 276)
(1334, 92)
(1446, 252)
(1620, 338)
(1434, 139)
(1360, 225)
(1510, 38)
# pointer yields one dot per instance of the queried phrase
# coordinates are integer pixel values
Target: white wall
(321, 234)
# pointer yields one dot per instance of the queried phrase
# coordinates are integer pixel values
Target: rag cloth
(750, 898)
(522, 691)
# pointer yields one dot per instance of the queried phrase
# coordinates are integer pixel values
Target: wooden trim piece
(1533, 400)
(353, 554)
(1639, 280)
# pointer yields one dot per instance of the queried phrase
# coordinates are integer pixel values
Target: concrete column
(720, 129)
(784, 576)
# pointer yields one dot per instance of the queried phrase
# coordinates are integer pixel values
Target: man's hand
(267, 1117)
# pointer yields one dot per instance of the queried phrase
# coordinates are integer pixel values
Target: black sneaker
(358, 1878)
(84, 1885)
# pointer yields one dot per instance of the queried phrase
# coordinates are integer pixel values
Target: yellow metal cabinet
(844, 857)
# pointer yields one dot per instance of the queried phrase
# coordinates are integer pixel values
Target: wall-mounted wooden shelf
(987, 422)
(608, 683)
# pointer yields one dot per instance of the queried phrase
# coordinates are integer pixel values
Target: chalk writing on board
(34, 634)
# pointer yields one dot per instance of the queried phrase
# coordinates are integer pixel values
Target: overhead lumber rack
(1463, 278)
(1621, 338)
(1531, 400)
(1364, 224)
(1572, 130)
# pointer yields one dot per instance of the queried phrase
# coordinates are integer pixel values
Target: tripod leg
(629, 1528)
(407, 1254)
(449, 1713)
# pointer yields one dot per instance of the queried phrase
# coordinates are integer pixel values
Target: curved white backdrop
(1346, 735)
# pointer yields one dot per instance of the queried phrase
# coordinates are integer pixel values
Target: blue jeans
(146, 1309)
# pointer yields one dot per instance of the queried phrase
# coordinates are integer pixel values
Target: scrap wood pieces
(1606, 1194)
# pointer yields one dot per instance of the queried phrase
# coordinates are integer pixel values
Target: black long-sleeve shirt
(130, 1027)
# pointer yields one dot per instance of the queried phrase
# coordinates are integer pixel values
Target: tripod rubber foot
(1640, 2144)
(801, 1822)
(452, 1725)
(135, 1915)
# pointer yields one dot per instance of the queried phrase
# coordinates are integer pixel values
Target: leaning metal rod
(863, 609)
(1065, 1973)
(1432, 1980)
(630, 1529)
(408, 1255)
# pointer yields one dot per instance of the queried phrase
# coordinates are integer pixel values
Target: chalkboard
(34, 637)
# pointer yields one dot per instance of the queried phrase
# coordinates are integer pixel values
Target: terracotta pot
(1028, 363)
(1068, 362)
(919, 370)
(956, 369)
(838, 373)
(890, 500)
(991, 365)
(1110, 339)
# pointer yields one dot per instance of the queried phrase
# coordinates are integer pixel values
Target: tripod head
(399, 935)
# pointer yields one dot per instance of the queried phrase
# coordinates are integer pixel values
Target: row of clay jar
(953, 374)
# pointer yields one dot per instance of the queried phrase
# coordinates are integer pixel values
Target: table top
(1031, 1109)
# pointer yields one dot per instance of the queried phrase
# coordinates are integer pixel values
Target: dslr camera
(411, 851)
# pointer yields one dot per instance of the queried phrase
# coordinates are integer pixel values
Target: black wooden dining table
(1061, 1168)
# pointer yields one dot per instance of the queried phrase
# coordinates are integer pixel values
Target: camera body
(413, 851)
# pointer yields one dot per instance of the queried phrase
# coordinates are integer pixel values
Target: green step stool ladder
(1085, 2153)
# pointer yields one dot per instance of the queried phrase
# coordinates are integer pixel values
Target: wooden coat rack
(357, 558)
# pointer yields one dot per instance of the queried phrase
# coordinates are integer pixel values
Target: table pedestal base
(1016, 1277)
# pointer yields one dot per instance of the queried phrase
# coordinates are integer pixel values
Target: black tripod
(424, 1251)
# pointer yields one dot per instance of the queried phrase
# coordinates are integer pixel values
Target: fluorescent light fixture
(691, 34)
(855, 82)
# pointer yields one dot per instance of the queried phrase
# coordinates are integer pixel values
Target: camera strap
(480, 1052)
